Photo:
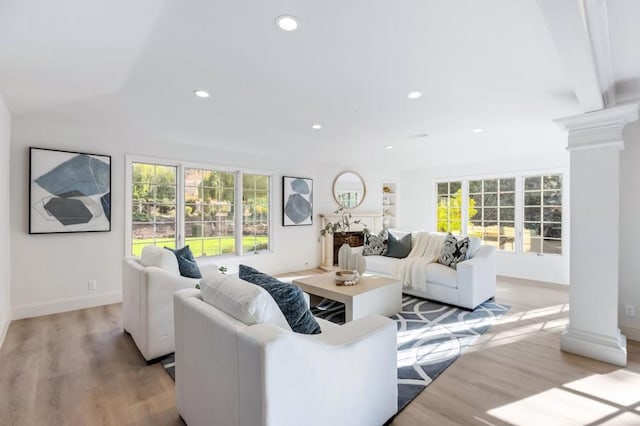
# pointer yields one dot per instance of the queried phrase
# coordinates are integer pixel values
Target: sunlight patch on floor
(533, 313)
(620, 387)
(603, 399)
(626, 419)
(490, 340)
(553, 407)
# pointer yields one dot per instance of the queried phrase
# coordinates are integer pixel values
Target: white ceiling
(487, 64)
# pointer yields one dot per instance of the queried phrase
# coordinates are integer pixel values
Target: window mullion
(519, 215)
(180, 203)
(239, 210)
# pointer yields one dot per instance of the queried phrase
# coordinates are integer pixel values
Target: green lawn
(206, 247)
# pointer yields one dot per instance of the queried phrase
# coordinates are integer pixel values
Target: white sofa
(229, 373)
(148, 284)
(472, 283)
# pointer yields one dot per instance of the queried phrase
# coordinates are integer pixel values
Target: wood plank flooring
(79, 368)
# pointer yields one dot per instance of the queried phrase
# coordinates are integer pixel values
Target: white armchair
(229, 373)
(147, 299)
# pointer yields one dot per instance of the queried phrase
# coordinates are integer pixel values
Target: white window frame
(464, 206)
(180, 202)
(519, 204)
(563, 222)
(497, 207)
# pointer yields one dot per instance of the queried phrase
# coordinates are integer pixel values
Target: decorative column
(327, 247)
(594, 144)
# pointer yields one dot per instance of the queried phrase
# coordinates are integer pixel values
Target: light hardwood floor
(79, 368)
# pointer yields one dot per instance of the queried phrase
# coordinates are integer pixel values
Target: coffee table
(372, 294)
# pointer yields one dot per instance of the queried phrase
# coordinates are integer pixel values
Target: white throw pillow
(160, 257)
(474, 246)
(246, 302)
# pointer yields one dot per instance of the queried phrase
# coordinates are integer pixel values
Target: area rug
(431, 336)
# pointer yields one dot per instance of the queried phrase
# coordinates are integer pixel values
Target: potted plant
(342, 225)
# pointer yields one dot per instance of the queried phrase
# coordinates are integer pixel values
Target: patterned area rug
(431, 336)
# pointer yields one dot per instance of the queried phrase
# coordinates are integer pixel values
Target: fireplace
(331, 243)
(354, 239)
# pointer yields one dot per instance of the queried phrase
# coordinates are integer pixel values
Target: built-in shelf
(389, 204)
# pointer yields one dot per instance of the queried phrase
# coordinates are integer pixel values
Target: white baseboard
(4, 327)
(64, 305)
(632, 333)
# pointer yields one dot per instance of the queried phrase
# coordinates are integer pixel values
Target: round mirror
(349, 190)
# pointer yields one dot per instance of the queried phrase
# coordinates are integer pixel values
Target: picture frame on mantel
(69, 192)
(297, 201)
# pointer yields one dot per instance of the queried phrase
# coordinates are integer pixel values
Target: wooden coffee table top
(325, 285)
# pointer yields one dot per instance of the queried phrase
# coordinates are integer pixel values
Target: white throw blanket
(426, 249)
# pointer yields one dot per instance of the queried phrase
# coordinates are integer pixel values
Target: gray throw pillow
(453, 251)
(186, 262)
(289, 298)
(375, 244)
(398, 248)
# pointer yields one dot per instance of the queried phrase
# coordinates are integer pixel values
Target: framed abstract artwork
(297, 201)
(69, 192)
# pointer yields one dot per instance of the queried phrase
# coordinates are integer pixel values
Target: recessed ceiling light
(388, 147)
(316, 127)
(201, 93)
(478, 130)
(287, 23)
(414, 95)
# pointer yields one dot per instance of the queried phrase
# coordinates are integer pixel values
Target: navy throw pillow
(186, 262)
(288, 297)
(398, 248)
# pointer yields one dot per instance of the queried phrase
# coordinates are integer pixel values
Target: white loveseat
(472, 283)
(235, 373)
(148, 284)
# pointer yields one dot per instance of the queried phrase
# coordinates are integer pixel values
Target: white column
(327, 247)
(595, 142)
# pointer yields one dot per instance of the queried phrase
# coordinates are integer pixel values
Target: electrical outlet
(93, 285)
(630, 310)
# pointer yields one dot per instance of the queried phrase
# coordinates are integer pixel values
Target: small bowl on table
(347, 277)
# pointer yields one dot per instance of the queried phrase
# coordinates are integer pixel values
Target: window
(207, 200)
(492, 211)
(449, 207)
(543, 214)
(518, 213)
(256, 215)
(153, 206)
(209, 211)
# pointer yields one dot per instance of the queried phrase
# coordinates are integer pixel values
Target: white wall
(417, 199)
(5, 202)
(373, 178)
(51, 272)
(629, 293)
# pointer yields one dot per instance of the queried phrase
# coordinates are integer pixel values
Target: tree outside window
(153, 206)
(449, 210)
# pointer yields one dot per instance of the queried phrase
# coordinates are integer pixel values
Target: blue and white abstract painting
(297, 198)
(69, 192)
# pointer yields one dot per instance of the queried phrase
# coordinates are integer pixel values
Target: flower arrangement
(342, 225)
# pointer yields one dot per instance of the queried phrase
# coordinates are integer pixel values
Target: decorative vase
(343, 256)
(360, 264)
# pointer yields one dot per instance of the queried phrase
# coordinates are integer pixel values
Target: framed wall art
(69, 192)
(297, 201)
